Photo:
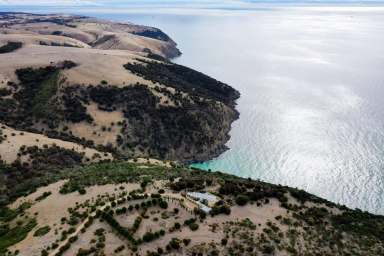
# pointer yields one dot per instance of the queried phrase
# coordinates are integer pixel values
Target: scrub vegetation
(298, 223)
(10, 47)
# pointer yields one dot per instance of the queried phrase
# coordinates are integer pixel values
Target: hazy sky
(165, 2)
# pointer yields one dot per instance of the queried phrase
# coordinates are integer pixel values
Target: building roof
(207, 196)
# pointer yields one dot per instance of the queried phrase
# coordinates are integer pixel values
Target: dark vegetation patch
(161, 130)
(7, 214)
(5, 92)
(360, 223)
(47, 90)
(51, 156)
(185, 79)
(2, 137)
(74, 110)
(153, 33)
(14, 235)
(42, 231)
(155, 56)
(21, 179)
(67, 64)
(37, 87)
(10, 47)
(57, 33)
(36, 99)
(43, 196)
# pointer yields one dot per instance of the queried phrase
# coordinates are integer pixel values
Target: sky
(133, 2)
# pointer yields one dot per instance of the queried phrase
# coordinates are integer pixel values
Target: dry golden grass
(15, 139)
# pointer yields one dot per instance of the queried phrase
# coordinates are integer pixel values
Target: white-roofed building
(205, 200)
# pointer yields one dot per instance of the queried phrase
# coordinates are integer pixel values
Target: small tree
(177, 225)
(175, 243)
(163, 204)
(242, 200)
(82, 191)
(194, 226)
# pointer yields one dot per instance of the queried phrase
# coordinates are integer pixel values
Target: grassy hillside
(251, 217)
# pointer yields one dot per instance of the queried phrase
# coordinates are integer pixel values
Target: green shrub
(177, 225)
(241, 200)
(174, 243)
(43, 196)
(194, 226)
(119, 249)
(163, 204)
(73, 239)
(42, 231)
(186, 241)
(148, 237)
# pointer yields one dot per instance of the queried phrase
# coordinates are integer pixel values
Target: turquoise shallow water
(312, 85)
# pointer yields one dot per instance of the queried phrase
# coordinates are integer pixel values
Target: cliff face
(131, 102)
